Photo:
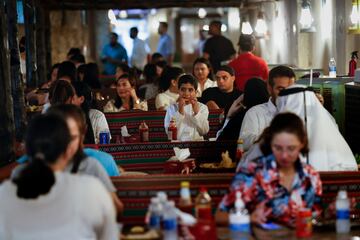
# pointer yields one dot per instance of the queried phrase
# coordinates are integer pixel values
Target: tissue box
(175, 166)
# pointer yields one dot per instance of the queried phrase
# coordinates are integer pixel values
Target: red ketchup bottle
(172, 130)
(144, 132)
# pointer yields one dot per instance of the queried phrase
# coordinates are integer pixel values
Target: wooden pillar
(48, 40)
(7, 128)
(41, 70)
(31, 80)
(17, 86)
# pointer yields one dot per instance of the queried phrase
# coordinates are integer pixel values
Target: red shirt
(247, 66)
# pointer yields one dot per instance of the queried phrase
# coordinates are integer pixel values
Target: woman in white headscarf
(328, 149)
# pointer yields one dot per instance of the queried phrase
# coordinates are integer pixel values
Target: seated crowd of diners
(288, 137)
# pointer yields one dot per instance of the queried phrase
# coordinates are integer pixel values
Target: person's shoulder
(310, 170)
(211, 90)
(96, 113)
(258, 108)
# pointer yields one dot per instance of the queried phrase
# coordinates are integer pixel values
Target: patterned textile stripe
(152, 156)
(136, 191)
(155, 122)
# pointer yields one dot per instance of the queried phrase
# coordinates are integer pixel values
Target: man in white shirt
(259, 117)
(191, 116)
(140, 50)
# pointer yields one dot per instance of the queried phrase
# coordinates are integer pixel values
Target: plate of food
(226, 165)
(140, 233)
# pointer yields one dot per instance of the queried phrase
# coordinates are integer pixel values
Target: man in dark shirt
(224, 94)
(218, 48)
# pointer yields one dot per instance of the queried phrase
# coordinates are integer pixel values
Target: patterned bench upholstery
(150, 157)
(136, 191)
(155, 121)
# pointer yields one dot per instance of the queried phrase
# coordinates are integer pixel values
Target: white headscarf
(328, 149)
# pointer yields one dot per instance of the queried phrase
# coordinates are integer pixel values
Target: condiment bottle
(172, 130)
(144, 132)
(203, 205)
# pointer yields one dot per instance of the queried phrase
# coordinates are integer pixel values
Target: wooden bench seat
(150, 157)
(136, 191)
(155, 122)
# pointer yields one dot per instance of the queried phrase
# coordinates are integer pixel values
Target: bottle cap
(185, 184)
(203, 189)
(162, 196)
(342, 194)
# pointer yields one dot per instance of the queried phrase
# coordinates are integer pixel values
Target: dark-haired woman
(60, 92)
(202, 70)
(126, 98)
(44, 202)
(274, 187)
(95, 120)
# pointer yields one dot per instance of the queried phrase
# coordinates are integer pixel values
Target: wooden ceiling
(139, 4)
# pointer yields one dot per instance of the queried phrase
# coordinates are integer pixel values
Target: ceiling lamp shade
(306, 19)
(246, 27)
(261, 27)
(355, 17)
(202, 13)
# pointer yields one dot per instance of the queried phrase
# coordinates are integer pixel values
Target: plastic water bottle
(155, 212)
(332, 67)
(239, 220)
(342, 212)
(170, 221)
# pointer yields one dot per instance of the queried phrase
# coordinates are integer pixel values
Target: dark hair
(60, 92)
(284, 122)
(67, 69)
(169, 74)
(187, 78)
(156, 57)
(113, 34)
(73, 51)
(246, 42)
(280, 71)
(164, 24)
(216, 23)
(150, 73)
(134, 29)
(255, 92)
(207, 63)
(91, 76)
(118, 101)
(47, 138)
(53, 67)
(72, 111)
(83, 90)
(124, 67)
(228, 69)
(161, 64)
(78, 58)
(80, 70)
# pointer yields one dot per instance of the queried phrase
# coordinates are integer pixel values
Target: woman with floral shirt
(274, 187)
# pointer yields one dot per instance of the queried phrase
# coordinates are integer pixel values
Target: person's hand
(212, 105)
(195, 105)
(260, 214)
(182, 104)
(236, 106)
(133, 94)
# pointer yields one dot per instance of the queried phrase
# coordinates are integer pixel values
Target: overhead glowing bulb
(355, 15)
(111, 15)
(246, 28)
(205, 27)
(223, 28)
(306, 18)
(123, 14)
(202, 13)
(261, 27)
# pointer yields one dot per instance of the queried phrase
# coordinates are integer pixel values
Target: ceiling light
(261, 27)
(355, 17)
(246, 27)
(202, 13)
(123, 14)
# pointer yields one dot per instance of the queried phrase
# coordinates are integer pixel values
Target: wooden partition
(150, 157)
(136, 191)
(155, 121)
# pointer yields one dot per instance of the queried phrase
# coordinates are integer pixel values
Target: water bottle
(155, 213)
(342, 212)
(239, 220)
(170, 221)
(332, 67)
